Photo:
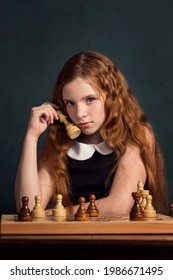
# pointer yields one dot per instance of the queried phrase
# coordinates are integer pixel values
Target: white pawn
(38, 211)
(59, 211)
(149, 211)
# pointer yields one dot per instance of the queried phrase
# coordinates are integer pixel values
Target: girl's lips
(83, 125)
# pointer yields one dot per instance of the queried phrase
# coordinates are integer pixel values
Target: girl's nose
(81, 111)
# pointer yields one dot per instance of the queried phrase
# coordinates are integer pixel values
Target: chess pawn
(24, 214)
(140, 188)
(38, 211)
(81, 214)
(144, 199)
(92, 209)
(149, 211)
(59, 211)
(136, 214)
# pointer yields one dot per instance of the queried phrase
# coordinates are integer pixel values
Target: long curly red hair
(125, 124)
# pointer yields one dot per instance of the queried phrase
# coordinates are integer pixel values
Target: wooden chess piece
(24, 214)
(38, 211)
(149, 211)
(92, 209)
(171, 209)
(81, 214)
(59, 211)
(144, 199)
(140, 188)
(136, 214)
(72, 130)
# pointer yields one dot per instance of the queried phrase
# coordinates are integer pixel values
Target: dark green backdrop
(38, 36)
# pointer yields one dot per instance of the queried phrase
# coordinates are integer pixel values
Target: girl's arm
(27, 180)
(129, 171)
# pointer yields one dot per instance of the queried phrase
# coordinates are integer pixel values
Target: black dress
(89, 176)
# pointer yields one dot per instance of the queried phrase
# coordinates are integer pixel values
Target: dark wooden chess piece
(81, 214)
(25, 214)
(171, 209)
(92, 209)
(136, 213)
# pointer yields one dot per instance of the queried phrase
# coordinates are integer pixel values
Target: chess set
(142, 219)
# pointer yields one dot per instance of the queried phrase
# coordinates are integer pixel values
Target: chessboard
(117, 224)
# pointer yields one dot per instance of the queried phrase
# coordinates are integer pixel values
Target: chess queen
(116, 148)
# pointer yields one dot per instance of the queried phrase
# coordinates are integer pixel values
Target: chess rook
(136, 214)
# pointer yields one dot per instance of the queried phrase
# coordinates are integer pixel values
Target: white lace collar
(81, 151)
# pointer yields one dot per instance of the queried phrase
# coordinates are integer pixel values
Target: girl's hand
(41, 117)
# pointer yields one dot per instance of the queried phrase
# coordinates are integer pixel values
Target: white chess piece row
(58, 212)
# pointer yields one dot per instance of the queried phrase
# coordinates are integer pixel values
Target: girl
(116, 148)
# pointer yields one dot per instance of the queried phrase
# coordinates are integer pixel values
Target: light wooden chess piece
(136, 214)
(81, 214)
(38, 211)
(59, 211)
(140, 188)
(25, 213)
(72, 130)
(149, 211)
(144, 199)
(92, 209)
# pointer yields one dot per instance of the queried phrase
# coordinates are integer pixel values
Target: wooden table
(100, 238)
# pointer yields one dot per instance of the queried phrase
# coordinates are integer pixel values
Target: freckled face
(84, 106)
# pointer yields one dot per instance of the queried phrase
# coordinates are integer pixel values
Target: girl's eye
(69, 103)
(90, 99)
